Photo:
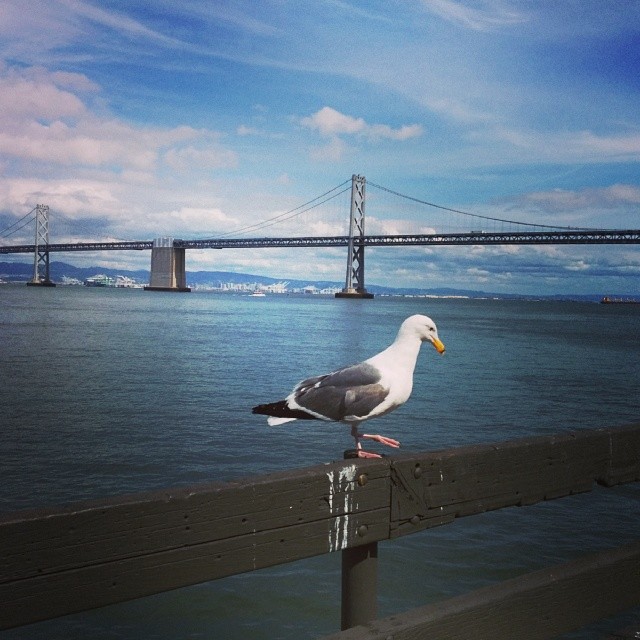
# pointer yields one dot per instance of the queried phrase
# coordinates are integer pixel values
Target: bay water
(112, 391)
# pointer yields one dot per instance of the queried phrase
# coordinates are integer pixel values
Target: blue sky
(136, 119)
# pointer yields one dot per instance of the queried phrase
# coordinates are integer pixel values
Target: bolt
(417, 472)
(414, 520)
(363, 530)
(363, 479)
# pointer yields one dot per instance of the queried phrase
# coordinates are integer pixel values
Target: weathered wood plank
(537, 606)
(39, 542)
(624, 456)
(434, 488)
(58, 562)
(125, 579)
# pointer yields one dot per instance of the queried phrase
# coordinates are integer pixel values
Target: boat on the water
(99, 280)
(608, 300)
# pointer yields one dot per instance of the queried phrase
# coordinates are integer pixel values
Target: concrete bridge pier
(167, 267)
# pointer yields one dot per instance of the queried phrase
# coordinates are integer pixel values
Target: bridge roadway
(579, 236)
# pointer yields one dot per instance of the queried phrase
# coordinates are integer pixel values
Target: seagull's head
(424, 328)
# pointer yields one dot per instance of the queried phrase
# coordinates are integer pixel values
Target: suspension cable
(475, 215)
(267, 223)
(287, 215)
(4, 232)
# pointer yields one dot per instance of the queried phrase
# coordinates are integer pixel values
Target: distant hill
(23, 271)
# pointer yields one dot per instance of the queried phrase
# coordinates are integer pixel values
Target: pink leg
(366, 454)
(390, 442)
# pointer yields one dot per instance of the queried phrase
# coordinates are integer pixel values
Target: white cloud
(329, 122)
(458, 110)
(87, 164)
(35, 94)
(190, 158)
(197, 219)
(578, 265)
(568, 200)
(73, 198)
(405, 132)
(44, 120)
(244, 130)
(563, 146)
(116, 21)
(334, 150)
(394, 227)
(479, 275)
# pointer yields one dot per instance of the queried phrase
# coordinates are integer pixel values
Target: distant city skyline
(137, 120)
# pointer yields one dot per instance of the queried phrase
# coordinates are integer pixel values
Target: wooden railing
(64, 560)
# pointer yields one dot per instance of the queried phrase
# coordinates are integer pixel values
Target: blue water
(109, 391)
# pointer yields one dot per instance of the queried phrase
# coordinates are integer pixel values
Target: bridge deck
(595, 236)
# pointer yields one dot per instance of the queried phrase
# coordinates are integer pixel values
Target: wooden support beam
(536, 606)
(359, 585)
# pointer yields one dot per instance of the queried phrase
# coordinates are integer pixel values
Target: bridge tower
(167, 267)
(354, 283)
(41, 276)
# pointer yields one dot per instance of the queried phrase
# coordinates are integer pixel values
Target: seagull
(361, 391)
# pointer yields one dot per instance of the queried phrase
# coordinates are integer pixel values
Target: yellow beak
(438, 345)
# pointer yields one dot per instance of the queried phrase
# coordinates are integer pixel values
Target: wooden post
(359, 585)
(359, 579)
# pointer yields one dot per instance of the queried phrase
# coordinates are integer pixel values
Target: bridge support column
(354, 284)
(167, 267)
(41, 276)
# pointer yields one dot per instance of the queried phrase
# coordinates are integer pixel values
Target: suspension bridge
(168, 254)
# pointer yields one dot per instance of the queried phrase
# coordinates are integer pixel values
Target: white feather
(272, 421)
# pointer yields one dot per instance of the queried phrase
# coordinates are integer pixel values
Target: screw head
(417, 471)
(363, 530)
(363, 478)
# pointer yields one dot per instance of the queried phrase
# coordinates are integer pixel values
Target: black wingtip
(280, 409)
(270, 409)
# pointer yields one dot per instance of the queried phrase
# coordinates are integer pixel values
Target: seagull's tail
(280, 412)
(272, 421)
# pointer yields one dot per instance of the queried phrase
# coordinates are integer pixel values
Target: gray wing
(352, 391)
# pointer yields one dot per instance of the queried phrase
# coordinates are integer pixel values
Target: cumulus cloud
(85, 163)
(45, 119)
(35, 94)
(329, 122)
(73, 198)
